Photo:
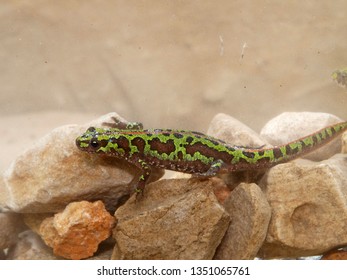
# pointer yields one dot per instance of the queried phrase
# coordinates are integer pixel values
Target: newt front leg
(144, 176)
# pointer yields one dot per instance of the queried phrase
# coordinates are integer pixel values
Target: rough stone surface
(309, 207)
(344, 143)
(34, 220)
(76, 232)
(30, 247)
(290, 126)
(250, 216)
(11, 225)
(4, 194)
(175, 219)
(53, 172)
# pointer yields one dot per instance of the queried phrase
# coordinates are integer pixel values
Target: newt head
(100, 140)
(85, 141)
(91, 141)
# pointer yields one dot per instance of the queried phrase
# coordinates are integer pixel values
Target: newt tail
(299, 147)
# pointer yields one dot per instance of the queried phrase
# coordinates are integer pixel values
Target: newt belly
(193, 152)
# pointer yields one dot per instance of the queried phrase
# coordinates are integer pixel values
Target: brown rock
(290, 126)
(53, 173)
(76, 232)
(175, 219)
(30, 247)
(250, 216)
(309, 207)
(2, 255)
(11, 225)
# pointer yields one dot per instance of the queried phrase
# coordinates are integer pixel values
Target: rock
(53, 173)
(175, 219)
(4, 194)
(30, 247)
(76, 232)
(344, 143)
(234, 132)
(290, 126)
(250, 216)
(34, 220)
(220, 189)
(104, 255)
(11, 225)
(2, 255)
(309, 207)
(104, 251)
(336, 254)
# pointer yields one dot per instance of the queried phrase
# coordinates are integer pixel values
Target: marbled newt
(192, 152)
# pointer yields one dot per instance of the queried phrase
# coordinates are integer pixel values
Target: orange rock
(220, 190)
(337, 254)
(76, 232)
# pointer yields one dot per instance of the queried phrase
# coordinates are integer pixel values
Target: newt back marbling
(193, 152)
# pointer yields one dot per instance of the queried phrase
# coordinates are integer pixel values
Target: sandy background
(165, 63)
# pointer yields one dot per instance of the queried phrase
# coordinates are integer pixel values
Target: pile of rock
(58, 202)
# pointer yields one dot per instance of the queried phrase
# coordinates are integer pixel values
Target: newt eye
(94, 143)
(91, 129)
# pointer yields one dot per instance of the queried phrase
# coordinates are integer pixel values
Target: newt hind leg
(119, 124)
(214, 169)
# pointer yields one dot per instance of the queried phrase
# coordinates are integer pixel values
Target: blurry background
(165, 63)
